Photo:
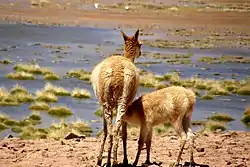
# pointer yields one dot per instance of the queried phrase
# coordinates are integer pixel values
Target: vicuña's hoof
(125, 162)
(99, 163)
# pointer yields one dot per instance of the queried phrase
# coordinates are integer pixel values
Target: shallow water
(21, 40)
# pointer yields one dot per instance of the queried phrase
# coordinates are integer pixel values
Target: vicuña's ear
(125, 37)
(136, 34)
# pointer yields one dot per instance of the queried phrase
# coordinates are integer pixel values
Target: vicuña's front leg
(183, 140)
(191, 138)
(148, 145)
(142, 139)
(124, 140)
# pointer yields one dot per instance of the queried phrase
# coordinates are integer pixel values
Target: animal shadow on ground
(155, 164)
(186, 164)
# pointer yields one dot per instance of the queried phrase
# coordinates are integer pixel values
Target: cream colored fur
(115, 82)
(172, 105)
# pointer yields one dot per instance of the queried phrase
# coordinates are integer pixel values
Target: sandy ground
(213, 149)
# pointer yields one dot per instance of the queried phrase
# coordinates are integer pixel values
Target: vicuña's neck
(129, 56)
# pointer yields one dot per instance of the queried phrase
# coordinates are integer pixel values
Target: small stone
(169, 154)
(173, 138)
(229, 163)
(73, 136)
(46, 149)
(200, 149)
(22, 145)
(9, 136)
(4, 145)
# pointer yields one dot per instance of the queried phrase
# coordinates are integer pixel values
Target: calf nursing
(115, 81)
(172, 105)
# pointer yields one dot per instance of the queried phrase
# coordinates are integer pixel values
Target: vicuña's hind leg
(190, 135)
(148, 145)
(99, 158)
(120, 112)
(124, 140)
(183, 138)
(110, 137)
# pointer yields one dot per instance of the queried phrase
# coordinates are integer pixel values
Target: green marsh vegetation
(213, 126)
(16, 96)
(44, 96)
(29, 72)
(205, 88)
(40, 106)
(171, 59)
(5, 61)
(98, 112)
(56, 131)
(60, 111)
(246, 117)
(79, 74)
(221, 117)
(27, 128)
(21, 76)
(32, 69)
(224, 59)
(204, 43)
(51, 76)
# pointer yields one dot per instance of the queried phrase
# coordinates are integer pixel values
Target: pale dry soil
(213, 149)
(69, 12)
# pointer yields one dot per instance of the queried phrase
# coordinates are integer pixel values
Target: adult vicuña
(172, 105)
(115, 81)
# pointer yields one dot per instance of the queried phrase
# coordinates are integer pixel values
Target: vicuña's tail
(191, 98)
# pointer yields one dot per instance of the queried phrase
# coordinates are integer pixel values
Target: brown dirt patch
(215, 150)
(70, 15)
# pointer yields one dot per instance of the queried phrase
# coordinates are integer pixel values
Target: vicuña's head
(132, 47)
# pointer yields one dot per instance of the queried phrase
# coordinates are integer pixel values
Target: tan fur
(115, 82)
(172, 105)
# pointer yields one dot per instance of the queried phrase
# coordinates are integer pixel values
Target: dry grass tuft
(57, 90)
(60, 111)
(214, 126)
(46, 96)
(51, 76)
(39, 106)
(31, 68)
(221, 117)
(244, 90)
(80, 74)
(80, 93)
(21, 76)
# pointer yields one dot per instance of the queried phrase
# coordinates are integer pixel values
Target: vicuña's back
(115, 81)
(172, 105)
(162, 106)
(111, 77)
